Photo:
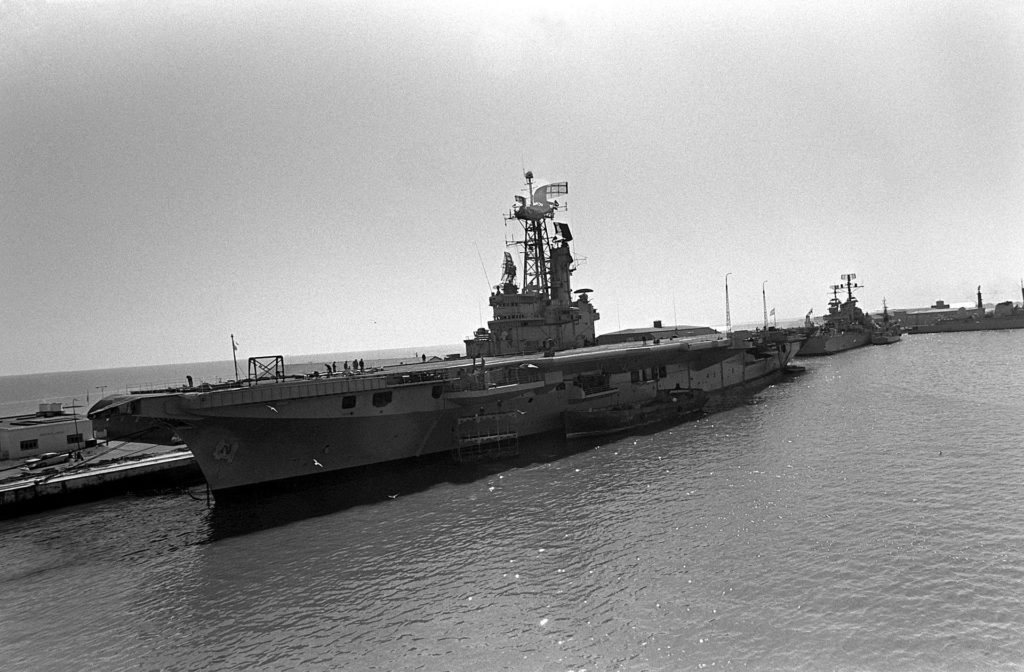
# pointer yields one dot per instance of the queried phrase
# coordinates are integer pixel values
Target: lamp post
(764, 301)
(74, 414)
(728, 318)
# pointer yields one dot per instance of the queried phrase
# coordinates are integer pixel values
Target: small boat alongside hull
(667, 406)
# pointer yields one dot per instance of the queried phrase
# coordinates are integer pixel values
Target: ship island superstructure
(542, 316)
(538, 359)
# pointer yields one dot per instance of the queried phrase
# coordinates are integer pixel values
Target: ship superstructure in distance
(1004, 315)
(888, 330)
(537, 359)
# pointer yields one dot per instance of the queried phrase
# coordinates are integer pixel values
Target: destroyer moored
(845, 327)
(888, 330)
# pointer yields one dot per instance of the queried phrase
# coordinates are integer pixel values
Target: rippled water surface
(866, 515)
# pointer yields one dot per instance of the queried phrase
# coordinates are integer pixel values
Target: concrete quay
(106, 470)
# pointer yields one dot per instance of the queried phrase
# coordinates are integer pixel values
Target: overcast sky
(325, 177)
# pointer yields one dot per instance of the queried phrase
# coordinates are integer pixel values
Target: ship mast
(535, 246)
(834, 302)
(835, 306)
(850, 286)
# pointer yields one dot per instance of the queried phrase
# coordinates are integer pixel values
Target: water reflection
(274, 506)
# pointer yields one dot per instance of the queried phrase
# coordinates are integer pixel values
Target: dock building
(49, 429)
(921, 317)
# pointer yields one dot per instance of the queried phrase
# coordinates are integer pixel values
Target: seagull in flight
(316, 463)
(271, 408)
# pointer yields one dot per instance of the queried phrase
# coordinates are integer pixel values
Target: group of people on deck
(358, 366)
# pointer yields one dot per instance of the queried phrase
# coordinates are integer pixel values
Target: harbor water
(864, 515)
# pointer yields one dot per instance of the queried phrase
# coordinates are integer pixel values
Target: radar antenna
(508, 275)
(533, 212)
(834, 302)
(850, 285)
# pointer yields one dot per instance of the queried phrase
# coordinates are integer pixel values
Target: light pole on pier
(728, 318)
(764, 301)
(74, 414)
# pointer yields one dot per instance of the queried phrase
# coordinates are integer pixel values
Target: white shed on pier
(50, 429)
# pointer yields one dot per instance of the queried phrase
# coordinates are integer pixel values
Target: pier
(106, 470)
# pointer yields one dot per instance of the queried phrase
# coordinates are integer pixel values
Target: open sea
(867, 514)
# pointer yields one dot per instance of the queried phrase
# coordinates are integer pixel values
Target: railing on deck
(174, 386)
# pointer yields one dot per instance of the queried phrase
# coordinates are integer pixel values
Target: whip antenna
(482, 266)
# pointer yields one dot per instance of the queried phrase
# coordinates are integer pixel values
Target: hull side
(987, 324)
(242, 442)
(235, 452)
(829, 344)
